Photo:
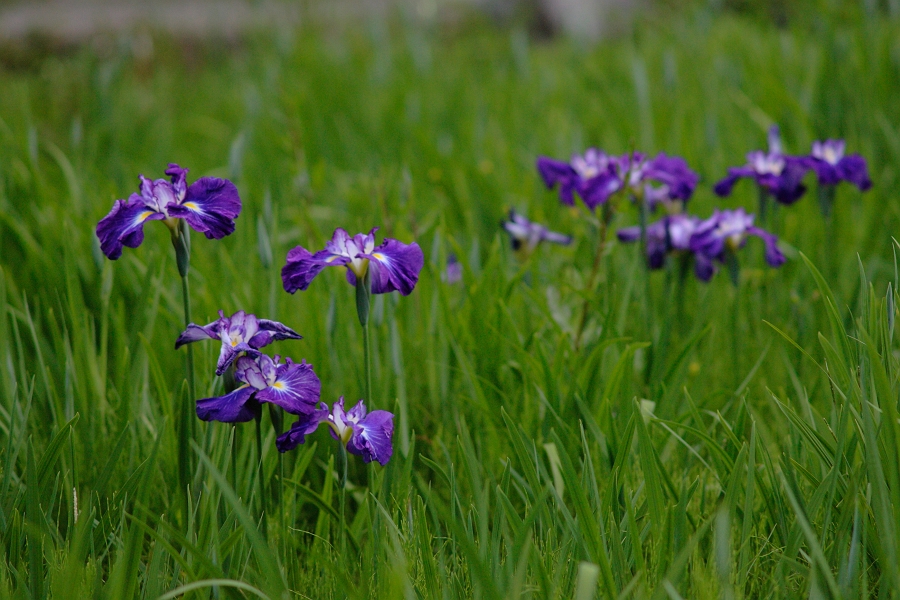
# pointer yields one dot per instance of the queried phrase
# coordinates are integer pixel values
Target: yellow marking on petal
(278, 385)
(143, 216)
(378, 256)
(191, 205)
(332, 258)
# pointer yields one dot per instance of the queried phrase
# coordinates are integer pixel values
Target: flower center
(359, 266)
(770, 164)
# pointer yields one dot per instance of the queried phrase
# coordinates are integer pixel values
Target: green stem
(368, 360)
(595, 270)
(342, 499)
(259, 475)
(234, 459)
(181, 240)
(186, 296)
(363, 297)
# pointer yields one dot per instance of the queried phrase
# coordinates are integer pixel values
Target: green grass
(522, 466)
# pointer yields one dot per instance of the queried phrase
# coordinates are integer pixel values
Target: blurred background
(31, 28)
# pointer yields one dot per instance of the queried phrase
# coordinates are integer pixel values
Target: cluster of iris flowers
(251, 378)
(210, 206)
(667, 183)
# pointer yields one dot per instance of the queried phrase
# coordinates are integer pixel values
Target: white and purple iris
(777, 173)
(595, 176)
(832, 166)
(708, 240)
(526, 235)
(209, 205)
(673, 178)
(366, 434)
(392, 266)
(670, 234)
(241, 332)
(292, 386)
(726, 231)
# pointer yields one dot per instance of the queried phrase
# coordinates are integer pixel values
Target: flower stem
(181, 240)
(342, 499)
(259, 475)
(368, 360)
(363, 297)
(186, 296)
(595, 271)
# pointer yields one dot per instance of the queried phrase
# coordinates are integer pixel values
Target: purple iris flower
(670, 234)
(726, 231)
(776, 172)
(596, 176)
(392, 266)
(292, 386)
(366, 434)
(241, 332)
(832, 166)
(526, 236)
(209, 205)
(675, 180)
(593, 176)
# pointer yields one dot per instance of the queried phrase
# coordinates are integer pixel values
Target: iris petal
(296, 388)
(395, 266)
(210, 206)
(124, 226)
(236, 407)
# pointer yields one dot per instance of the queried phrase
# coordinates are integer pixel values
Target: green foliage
(698, 440)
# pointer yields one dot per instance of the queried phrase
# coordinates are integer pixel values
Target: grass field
(525, 464)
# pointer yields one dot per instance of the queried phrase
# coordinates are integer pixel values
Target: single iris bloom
(292, 386)
(670, 234)
(775, 172)
(241, 332)
(832, 166)
(525, 235)
(366, 434)
(593, 176)
(209, 205)
(726, 232)
(675, 180)
(392, 266)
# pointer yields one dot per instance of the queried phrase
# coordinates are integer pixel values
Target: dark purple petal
(774, 257)
(597, 190)
(827, 174)
(723, 187)
(302, 267)
(305, 425)
(296, 388)
(788, 186)
(557, 172)
(179, 179)
(372, 437)
(704, 268)
(210, 206)
(853, 169)
(657, 248)
(236, 407)
(272, 331)
(124, 226)
(629, 234)
(395, 266)
(194, 333)
(674, 173)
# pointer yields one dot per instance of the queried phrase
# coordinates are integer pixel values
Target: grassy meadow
(526, 464)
